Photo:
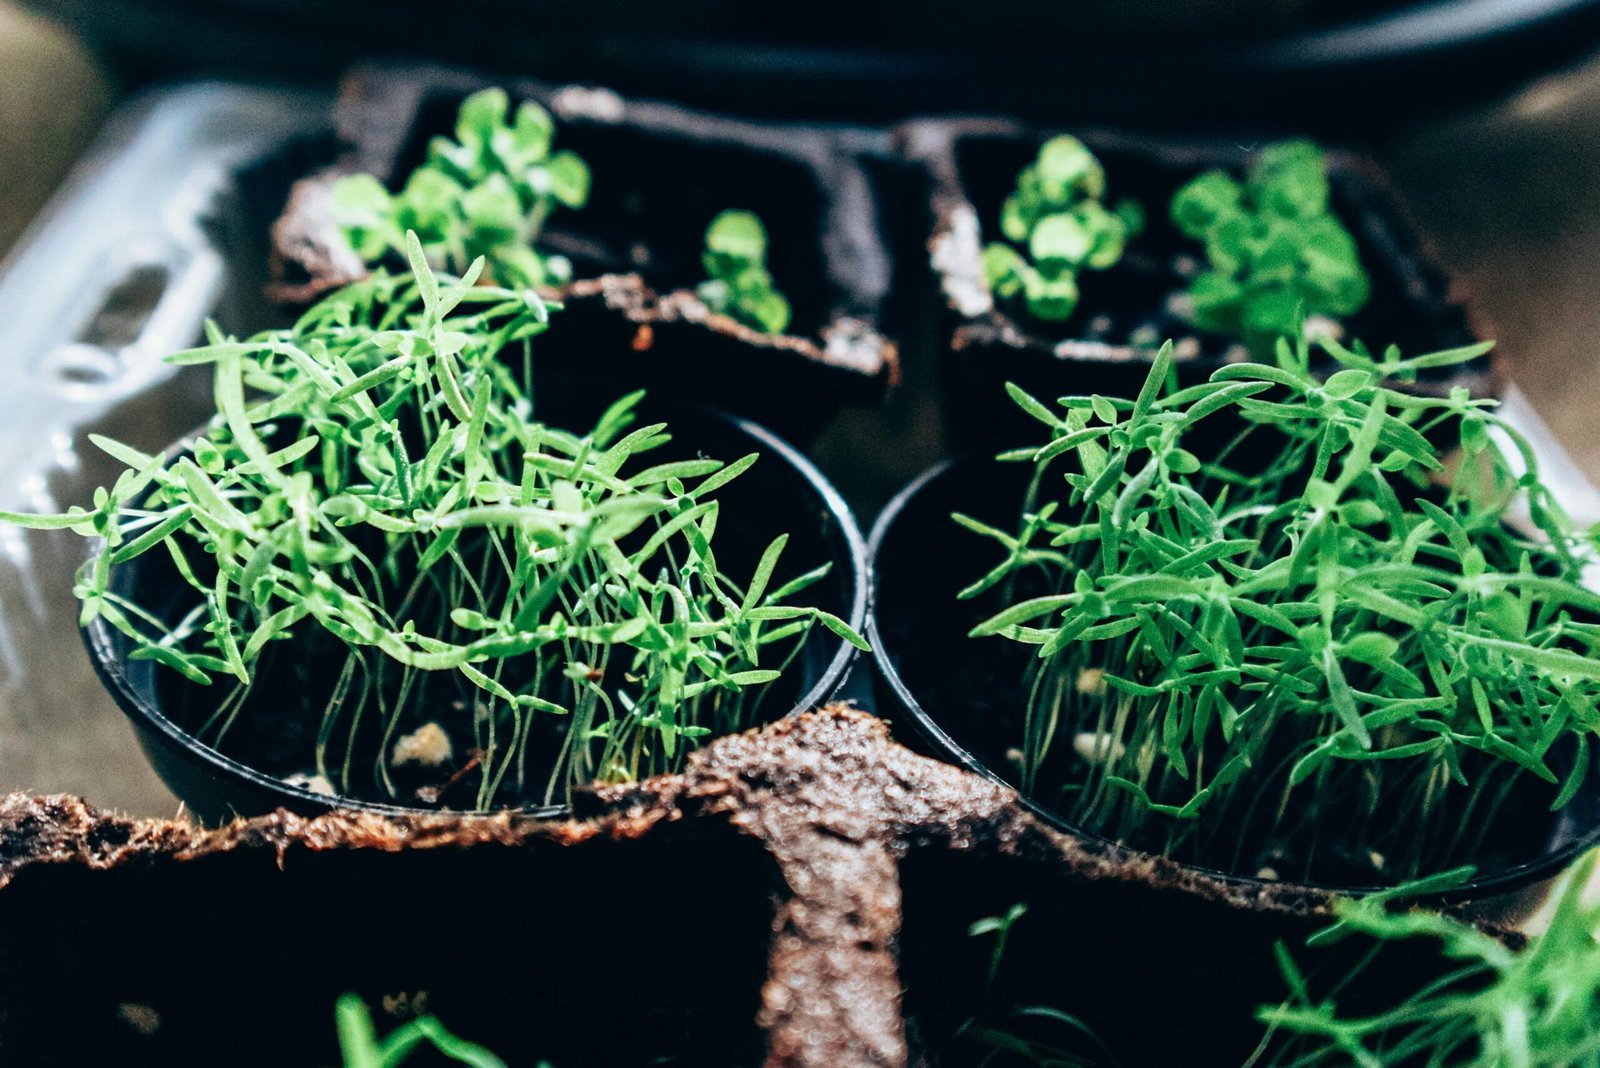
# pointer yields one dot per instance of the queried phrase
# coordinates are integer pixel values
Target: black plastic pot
(1127, 311)
(944, 682)
(782, 492)
(661, 173)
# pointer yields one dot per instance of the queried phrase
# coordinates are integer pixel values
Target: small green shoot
(738, 283)
(362, 1048)
(1492, 1006)
(487, 193)
(1277, 627)
(1037, 1035)
(1056, 214)
(1277, 251)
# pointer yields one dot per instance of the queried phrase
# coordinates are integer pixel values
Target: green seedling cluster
(1491, 1006)
(377, 477)
(1056, 213)
(738, 283)
(1282, 624)
(488, 193)
(362, 1048)
(1276, 250)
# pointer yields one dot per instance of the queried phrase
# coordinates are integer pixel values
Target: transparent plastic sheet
(151, 235)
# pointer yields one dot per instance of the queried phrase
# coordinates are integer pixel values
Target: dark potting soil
(1122, 963)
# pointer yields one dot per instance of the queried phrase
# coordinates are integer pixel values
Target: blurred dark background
(1343, 66)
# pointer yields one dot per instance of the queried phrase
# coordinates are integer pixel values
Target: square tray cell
(1157, 975)
(578, 951)
(1127, 311)
(660, 174)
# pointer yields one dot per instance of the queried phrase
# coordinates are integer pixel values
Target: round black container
(782, 492)
(946, 682)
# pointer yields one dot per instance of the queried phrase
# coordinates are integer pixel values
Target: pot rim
(99, 638)
(1503, 881)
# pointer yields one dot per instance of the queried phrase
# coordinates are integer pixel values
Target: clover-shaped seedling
(1057, 214)
(738, 283)
(487, 193)
(1277, 251)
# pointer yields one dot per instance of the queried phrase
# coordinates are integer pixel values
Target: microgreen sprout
(738, 283)
(376, 478)
(1277, 251)
(487, 193)
(1490, 1007)
(1278, 627)
(1038, 1035)
(362, 1048)
(1056, 213)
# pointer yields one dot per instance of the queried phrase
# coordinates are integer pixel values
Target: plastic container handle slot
(152, 303)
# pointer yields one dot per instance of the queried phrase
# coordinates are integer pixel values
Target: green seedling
(1056, 214)
(1277, 252)
(1282, 624)
(488, 193)
(362, 1048)
(1040, 1036)
(738, 283)
(1491, 1006)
